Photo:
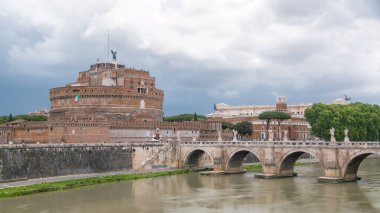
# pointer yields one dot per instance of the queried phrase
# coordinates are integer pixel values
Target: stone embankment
(20, 162)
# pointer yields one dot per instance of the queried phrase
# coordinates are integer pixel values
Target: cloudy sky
(202, 52)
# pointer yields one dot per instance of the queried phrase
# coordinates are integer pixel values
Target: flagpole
(108, 44)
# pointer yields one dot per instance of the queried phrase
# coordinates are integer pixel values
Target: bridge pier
(334, 175)
(272, 176)
(272, 171)
(332, 180)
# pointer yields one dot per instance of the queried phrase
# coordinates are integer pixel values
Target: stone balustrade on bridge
(339, 160)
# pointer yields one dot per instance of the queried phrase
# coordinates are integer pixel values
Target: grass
(258, 167)
(75, 183)
(253, 167)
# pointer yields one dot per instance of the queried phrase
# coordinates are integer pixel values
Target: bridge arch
(193, 157)
(235, 159)
(289, 159)
(351, 166)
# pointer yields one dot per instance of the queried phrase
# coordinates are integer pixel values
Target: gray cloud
(237, 52)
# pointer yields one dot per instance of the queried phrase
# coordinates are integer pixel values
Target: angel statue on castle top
(114, 55)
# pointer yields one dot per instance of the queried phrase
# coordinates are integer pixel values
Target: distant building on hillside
(44, 112)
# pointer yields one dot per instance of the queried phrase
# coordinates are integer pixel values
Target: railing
(68, 145)
(209, 143)
(284, 143)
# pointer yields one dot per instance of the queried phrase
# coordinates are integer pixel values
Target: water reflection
(233, 193)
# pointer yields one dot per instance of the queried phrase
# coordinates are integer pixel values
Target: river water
(231, 193)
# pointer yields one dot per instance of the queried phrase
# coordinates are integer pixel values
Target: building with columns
(297, 127)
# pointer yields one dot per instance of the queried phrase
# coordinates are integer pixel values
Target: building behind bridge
(297, 127)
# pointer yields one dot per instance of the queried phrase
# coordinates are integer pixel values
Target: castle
(109, 91)
(109, 103)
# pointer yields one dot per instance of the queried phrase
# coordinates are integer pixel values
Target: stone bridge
(339, 160)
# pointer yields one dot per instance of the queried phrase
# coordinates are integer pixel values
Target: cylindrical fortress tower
(108, 91)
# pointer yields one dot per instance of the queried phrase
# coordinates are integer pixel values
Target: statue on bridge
(285, 135)
(346, 138)
(270, 134)
(178, 137)
(220, 135)
(235, 135)
(332, 134)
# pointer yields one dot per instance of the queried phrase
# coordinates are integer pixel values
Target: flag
(77, 97)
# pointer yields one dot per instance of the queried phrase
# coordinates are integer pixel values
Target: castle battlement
(106, 65)
(186, 125)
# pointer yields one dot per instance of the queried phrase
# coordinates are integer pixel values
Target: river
(232, 193)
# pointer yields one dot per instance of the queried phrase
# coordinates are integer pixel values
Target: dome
(340, 101)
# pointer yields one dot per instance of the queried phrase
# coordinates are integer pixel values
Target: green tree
(243, 128)
(195, 117)
(184, 117)
(32, 117)
(4, 119)
(280, 117)
(268, 116)
(362, 120)
(227, 125)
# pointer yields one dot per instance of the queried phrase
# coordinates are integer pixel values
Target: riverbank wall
(20, 162)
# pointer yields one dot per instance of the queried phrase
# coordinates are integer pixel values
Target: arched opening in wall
(300, 163)
(369, 164)
(198, 159)
(244, 160)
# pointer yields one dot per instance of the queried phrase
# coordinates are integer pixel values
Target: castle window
(142, 90)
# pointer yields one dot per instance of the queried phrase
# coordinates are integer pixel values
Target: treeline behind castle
(4, 119)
